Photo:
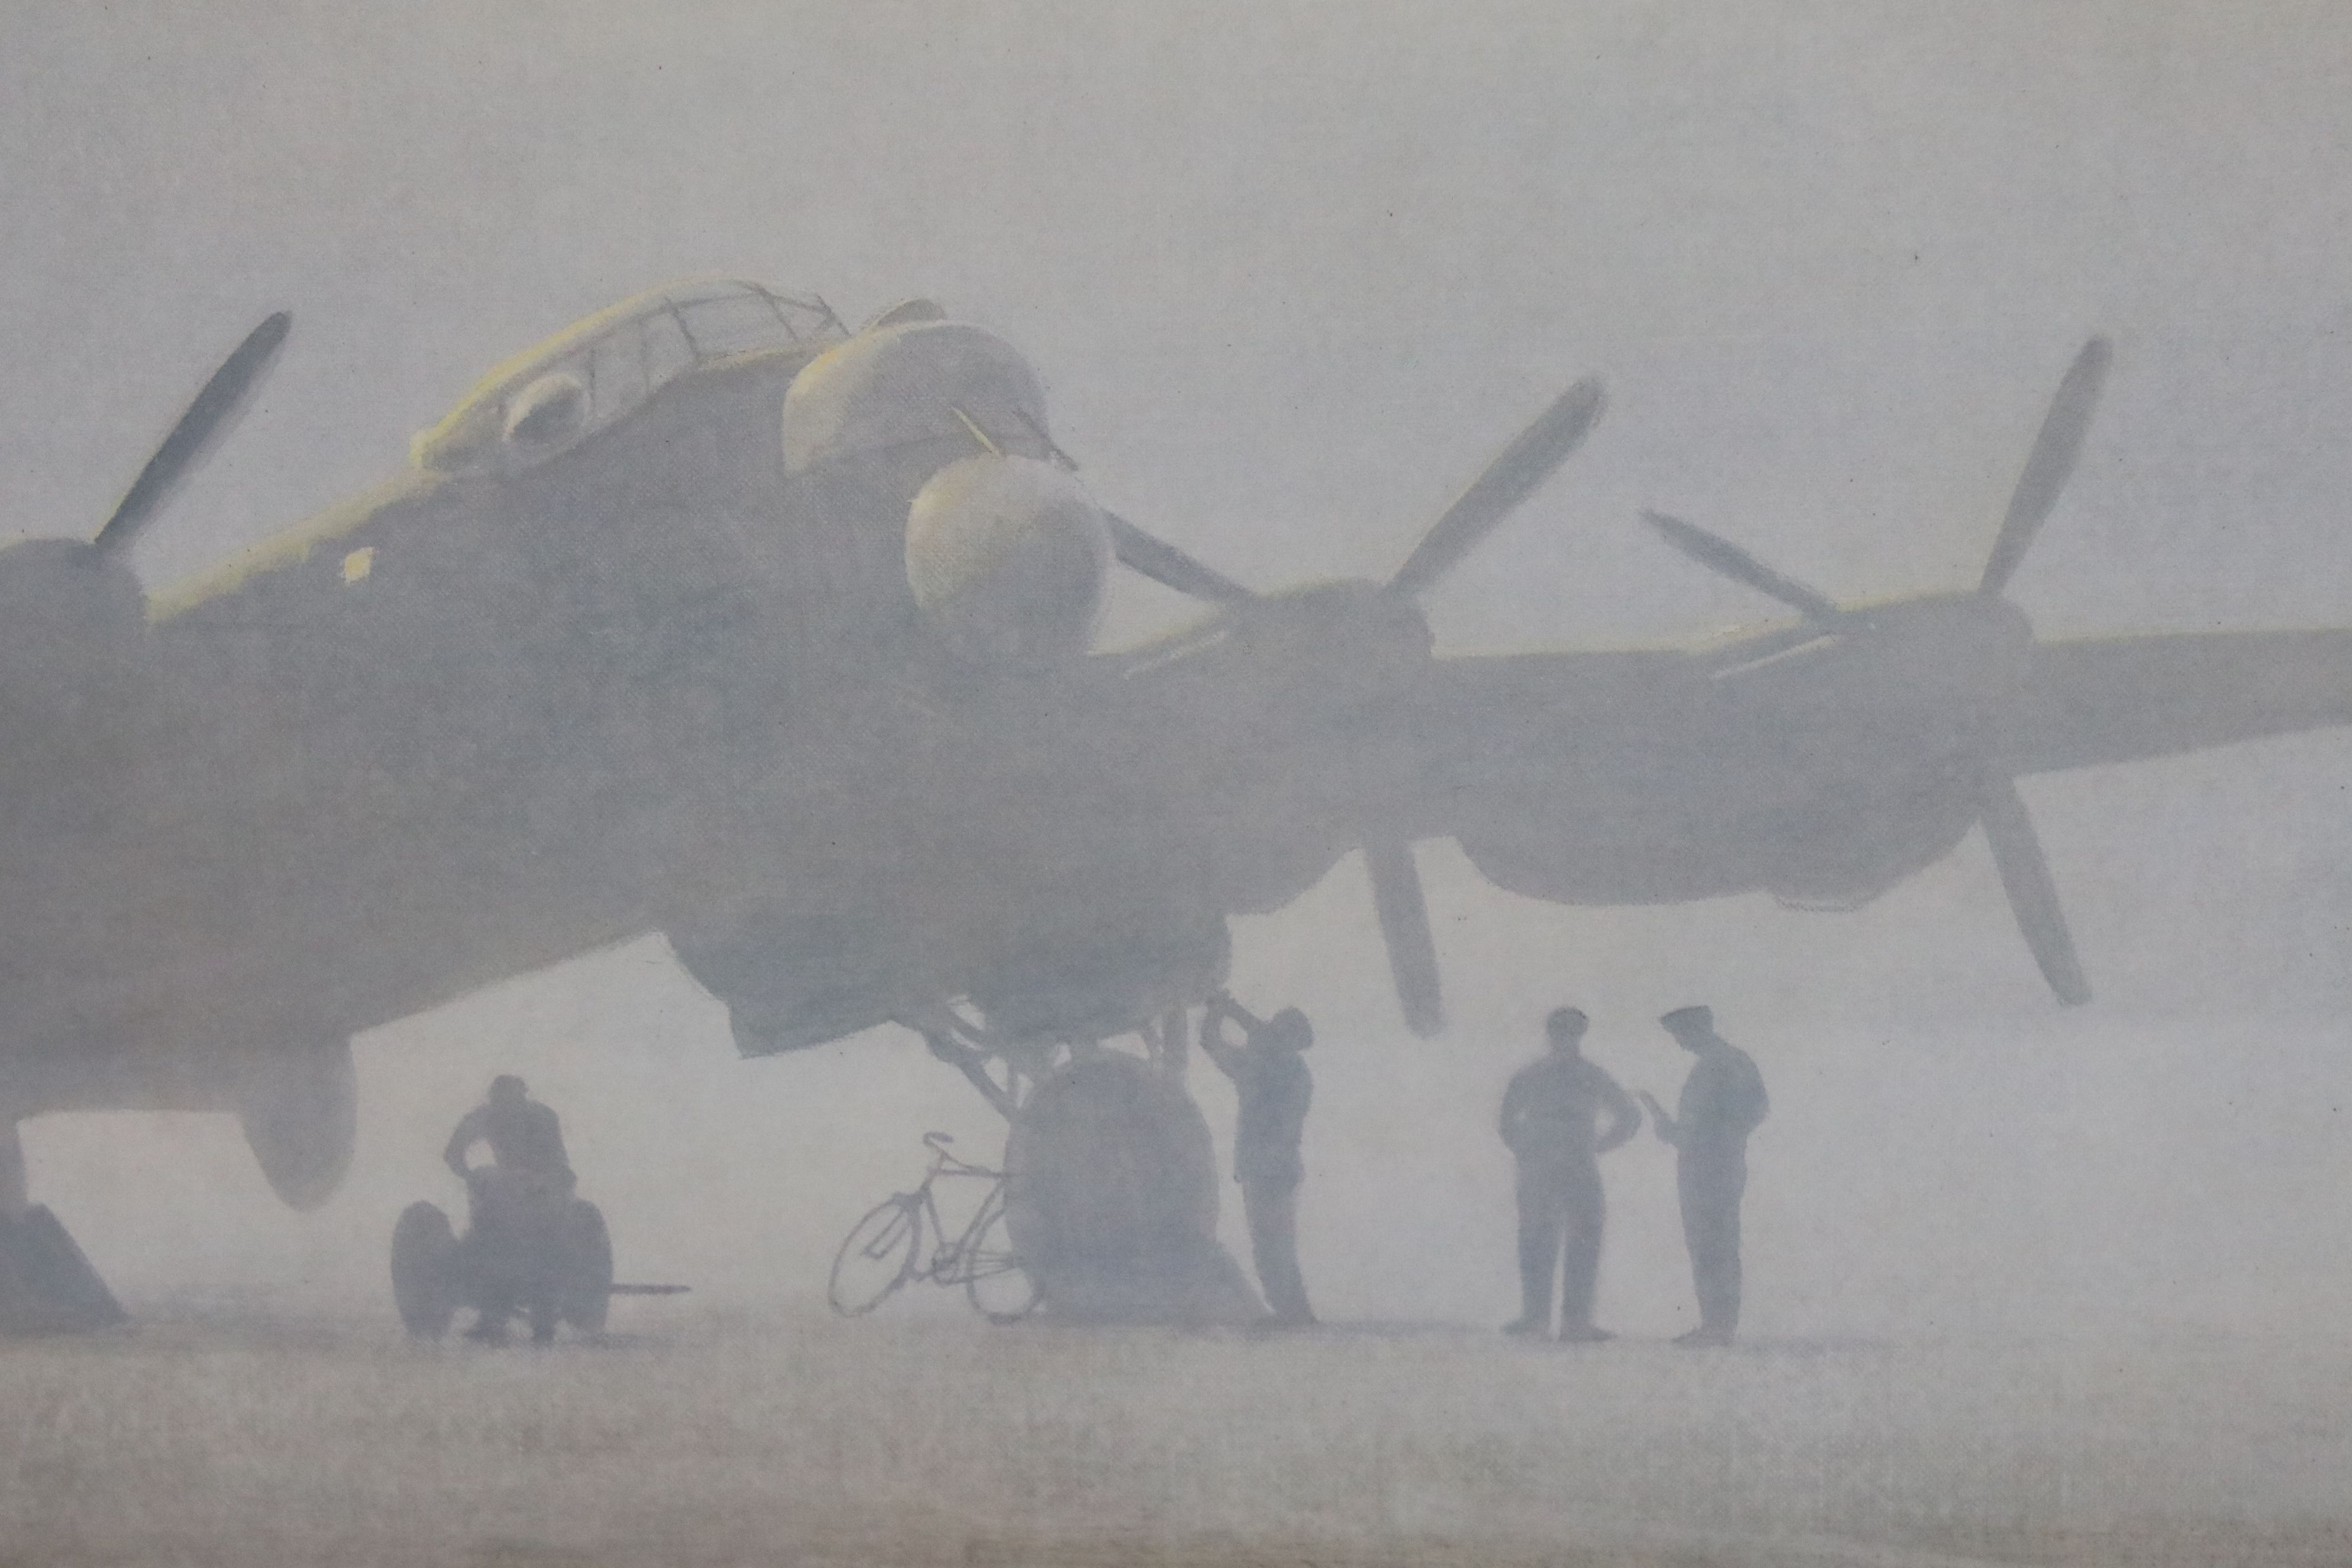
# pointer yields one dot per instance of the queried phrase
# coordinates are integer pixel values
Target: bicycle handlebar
(944, 1164)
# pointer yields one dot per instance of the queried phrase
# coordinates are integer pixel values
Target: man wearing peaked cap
(1723, 1100)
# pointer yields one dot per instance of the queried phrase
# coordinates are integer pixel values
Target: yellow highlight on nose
(358, 564)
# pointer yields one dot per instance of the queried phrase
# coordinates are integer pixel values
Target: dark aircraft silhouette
(712, 617)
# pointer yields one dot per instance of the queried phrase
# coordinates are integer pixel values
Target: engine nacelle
(300, 1113)
(80, 689)
(1843, 853)
(1007, 558)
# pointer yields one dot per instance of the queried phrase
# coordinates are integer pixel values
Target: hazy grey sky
(1290, 274)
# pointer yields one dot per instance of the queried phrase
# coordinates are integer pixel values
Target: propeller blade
(208, 418)
(2048, 464)
(2033, 896)
(1510, 479)
(1720, 555)
(1170, 567)
(1405, 924)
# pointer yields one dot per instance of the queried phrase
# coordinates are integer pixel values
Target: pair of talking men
(1553, 1116)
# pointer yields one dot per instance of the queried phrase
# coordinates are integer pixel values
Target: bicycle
(885, 1250)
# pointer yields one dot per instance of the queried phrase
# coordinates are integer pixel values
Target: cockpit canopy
(599, 370)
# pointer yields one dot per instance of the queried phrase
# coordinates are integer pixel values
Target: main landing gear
(1111, 1175)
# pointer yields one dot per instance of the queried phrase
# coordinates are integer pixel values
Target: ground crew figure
(1723, 1100)
(528, 1172)
(1274, 1088)
(1548, 1122)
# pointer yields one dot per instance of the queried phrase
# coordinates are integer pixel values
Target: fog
(1291, 273)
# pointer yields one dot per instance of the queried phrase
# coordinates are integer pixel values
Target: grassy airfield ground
(918, 1438)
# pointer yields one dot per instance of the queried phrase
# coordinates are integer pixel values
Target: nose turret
(1007, 558)
(928, 439)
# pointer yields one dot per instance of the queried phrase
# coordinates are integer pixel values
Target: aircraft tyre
(424, 1273)
(587, 1290)
(999, 1287)
(1113, 1201)
(875, 1258)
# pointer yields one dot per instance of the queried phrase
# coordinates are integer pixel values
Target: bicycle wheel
(878, 1257)
(1001, 1288)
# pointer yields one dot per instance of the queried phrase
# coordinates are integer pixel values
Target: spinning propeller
(1515, 474)
(2016, 851)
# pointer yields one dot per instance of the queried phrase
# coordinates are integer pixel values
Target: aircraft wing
(1613, 725)
(2119, 700)
(1599, 778)
(1633, 778)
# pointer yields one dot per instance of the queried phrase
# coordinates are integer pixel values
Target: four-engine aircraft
(715, 617)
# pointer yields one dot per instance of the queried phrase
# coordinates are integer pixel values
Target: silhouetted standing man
(1723, 1100)
(1549, 1117)
(1275, 1088)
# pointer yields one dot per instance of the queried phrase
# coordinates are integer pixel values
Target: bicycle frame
(947, 1263)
